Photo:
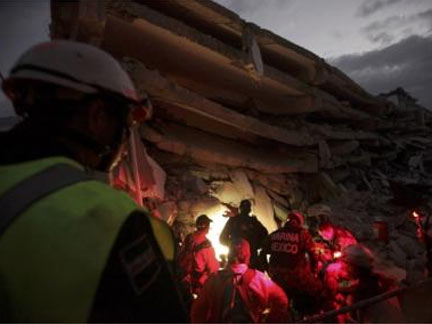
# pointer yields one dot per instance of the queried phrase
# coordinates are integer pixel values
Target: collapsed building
(241, 113)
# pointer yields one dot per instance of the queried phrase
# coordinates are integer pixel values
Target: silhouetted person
(245, 226)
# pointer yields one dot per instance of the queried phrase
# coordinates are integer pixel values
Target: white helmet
(73, 65)
(319, 209)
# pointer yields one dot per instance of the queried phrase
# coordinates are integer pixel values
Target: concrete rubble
(240, 112)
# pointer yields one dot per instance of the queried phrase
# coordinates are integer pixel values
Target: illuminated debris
(263, 209)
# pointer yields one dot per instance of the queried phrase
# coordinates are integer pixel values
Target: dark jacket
(289, 246)
(248, 228)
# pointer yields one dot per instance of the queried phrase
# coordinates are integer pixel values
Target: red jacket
(343, 238)
(263, 293)
(204, 260)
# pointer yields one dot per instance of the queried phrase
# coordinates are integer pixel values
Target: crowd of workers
(72, 249)
(315, 272)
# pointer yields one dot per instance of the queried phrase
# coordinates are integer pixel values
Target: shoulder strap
(203, 245)
(242, 289)
(248, 277)
(20, 197)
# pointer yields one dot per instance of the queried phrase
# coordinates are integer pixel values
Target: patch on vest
(141, 264)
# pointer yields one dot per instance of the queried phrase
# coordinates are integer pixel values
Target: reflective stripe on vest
(16, 200)
(52, 256)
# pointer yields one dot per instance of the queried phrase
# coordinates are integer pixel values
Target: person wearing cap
(239, 294)
(197, 260)
(72, 249)
(292, 262)
(243, 225)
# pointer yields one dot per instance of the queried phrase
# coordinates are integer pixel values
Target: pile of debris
(240, 112)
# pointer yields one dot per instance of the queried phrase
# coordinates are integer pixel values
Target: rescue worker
(354, 279)
(197, 260)
(72, 249)
(337, 237)
(291, 264)
(239, 294)
(423, 221)
(336, 279)
(248, 227)
(428, 243)
(317, 214)
(332, 240)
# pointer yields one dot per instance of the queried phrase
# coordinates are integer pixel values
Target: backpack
(186, 258)
(234, 308)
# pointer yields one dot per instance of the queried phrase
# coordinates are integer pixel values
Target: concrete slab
(206, 114)
(242, 184)
(207, 148)
(263, 208)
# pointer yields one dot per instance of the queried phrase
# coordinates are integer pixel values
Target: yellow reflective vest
(53, 254)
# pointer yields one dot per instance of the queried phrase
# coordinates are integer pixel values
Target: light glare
(216, 228)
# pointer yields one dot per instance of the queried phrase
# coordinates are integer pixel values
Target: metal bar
(363, 303)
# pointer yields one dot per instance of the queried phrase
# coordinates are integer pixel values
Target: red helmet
(296, 216)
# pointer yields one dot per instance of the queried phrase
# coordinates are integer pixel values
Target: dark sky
(22, 23)
(407, 63)
(381, 44)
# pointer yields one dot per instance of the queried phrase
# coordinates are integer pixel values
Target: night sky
(381, 44)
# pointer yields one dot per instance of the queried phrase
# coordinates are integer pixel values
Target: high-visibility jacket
(53, 254)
